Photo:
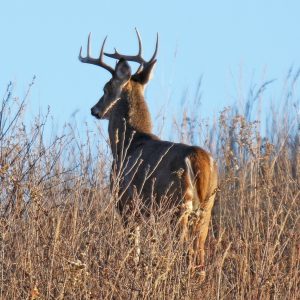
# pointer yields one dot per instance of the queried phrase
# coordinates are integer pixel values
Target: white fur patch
(190, 170)
(191, 191)
(110, 106)
(189, 206)
(189, 194)
(211, 160)
(151, 74)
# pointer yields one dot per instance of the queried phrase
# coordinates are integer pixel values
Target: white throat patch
(110, 106)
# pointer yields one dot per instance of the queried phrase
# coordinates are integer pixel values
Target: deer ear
(145, 75)
(123, 70)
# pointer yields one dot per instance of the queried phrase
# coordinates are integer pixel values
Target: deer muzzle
(95, 111)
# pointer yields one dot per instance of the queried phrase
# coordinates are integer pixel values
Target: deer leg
(187, 209)
(201, 230)
(184, 222)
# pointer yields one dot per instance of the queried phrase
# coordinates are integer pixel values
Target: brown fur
(178, 174)
(201, 167)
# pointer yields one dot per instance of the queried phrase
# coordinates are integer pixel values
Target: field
(61, 237)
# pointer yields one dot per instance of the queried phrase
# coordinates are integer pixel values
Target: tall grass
(61, 237)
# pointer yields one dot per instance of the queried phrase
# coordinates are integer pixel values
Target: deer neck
(129, 119)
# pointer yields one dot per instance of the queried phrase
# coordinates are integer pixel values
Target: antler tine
(155, 51)
(140, 42)
(136, 58)
(88, 50)
(152, 58)
(95, 61)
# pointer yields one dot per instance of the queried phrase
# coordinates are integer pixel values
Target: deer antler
(136, 58)
(95, 61)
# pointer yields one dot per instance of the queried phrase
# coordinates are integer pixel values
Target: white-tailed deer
(152, 169)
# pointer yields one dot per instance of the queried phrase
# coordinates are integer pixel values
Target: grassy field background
(61, 238)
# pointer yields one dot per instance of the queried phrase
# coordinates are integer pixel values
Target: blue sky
(232, 44)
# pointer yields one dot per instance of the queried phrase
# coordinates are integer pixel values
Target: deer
(151, 168)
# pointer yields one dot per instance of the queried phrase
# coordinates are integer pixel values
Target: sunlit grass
(61, 237)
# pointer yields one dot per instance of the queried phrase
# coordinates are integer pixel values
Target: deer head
(121, 76)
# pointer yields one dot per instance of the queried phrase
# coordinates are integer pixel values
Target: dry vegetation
(61, 238)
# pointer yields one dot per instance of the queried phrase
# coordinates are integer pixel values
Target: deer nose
(92, 111)
(95, 111)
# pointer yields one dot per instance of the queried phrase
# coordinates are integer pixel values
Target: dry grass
(61, 238)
